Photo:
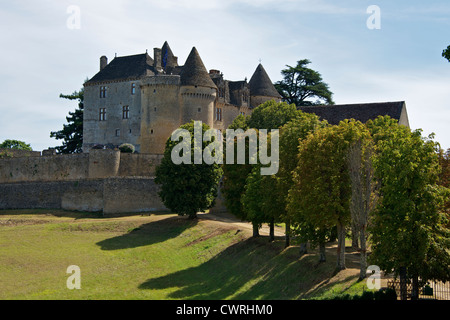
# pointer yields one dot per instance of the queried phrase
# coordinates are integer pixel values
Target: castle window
(199, 110)
(102, 92)
(218, 114)
(102, 114)
(117, 132)
(242, 113)
(125, 112)
(133, 88)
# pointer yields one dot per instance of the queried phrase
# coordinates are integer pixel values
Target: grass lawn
(157, 257)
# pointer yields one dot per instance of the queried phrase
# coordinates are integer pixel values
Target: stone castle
(141, 100)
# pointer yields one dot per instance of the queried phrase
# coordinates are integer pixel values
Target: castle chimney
(103, 62)
(157, 58)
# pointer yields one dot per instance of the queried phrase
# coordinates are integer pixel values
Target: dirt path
(230, 219)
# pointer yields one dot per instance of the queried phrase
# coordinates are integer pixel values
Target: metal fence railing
(432, 290)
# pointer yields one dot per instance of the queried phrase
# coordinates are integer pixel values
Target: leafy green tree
(444, 177)
(261, 200)
(15, 144)
(321, 194)
(364, 197)
(188, 188)
(272, 115)
(446, 53)
(290, 136)
(269, 115)
(235, 176)
(72, 132)
(303, 86)
(410, 234)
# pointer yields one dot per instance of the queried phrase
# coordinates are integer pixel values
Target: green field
(159, 256)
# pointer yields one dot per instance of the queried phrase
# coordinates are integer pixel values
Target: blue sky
(41, 57)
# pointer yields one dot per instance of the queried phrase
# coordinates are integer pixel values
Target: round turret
(198, 91)
(262, 88)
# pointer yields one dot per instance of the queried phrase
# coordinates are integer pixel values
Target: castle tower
(168, 60)
(198, 91)
(261, 88)
(160, 102)
(160, 111)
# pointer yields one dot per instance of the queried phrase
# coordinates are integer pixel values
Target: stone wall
(111, 196)
(53, 168)
(94, 165)
(102, 180)
(9, 153)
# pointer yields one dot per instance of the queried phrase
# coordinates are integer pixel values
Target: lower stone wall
(111, 196)
(131, 195)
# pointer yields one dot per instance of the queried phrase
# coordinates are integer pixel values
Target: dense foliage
(303, 86)
(187, 188)
(15, 144)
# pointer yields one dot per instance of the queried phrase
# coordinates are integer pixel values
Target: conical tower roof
(167, 57)
(261, 85)
(194, 72)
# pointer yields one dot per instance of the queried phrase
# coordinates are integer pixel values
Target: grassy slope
(155, 257)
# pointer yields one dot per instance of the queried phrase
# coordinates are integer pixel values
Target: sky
(49, 47)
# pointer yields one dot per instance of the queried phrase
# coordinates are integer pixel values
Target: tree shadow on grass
(149, 233)
(60, 213)
(248, 270)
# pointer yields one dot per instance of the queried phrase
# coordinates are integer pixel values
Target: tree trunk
(255, 230)
(363, 254)
(287, 234)
(271, 231)
(193, 216)
(355, 235)
(322, 257)
(403, 288)
(341, 246)
(303, 248)
(415, 288)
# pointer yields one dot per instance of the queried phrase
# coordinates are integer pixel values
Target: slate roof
(167, 56)
(194, 72)
(128, 67)
(362, 111)
(261, 85)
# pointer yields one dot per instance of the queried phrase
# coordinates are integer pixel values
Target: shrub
(126, 148)
(382, 294)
